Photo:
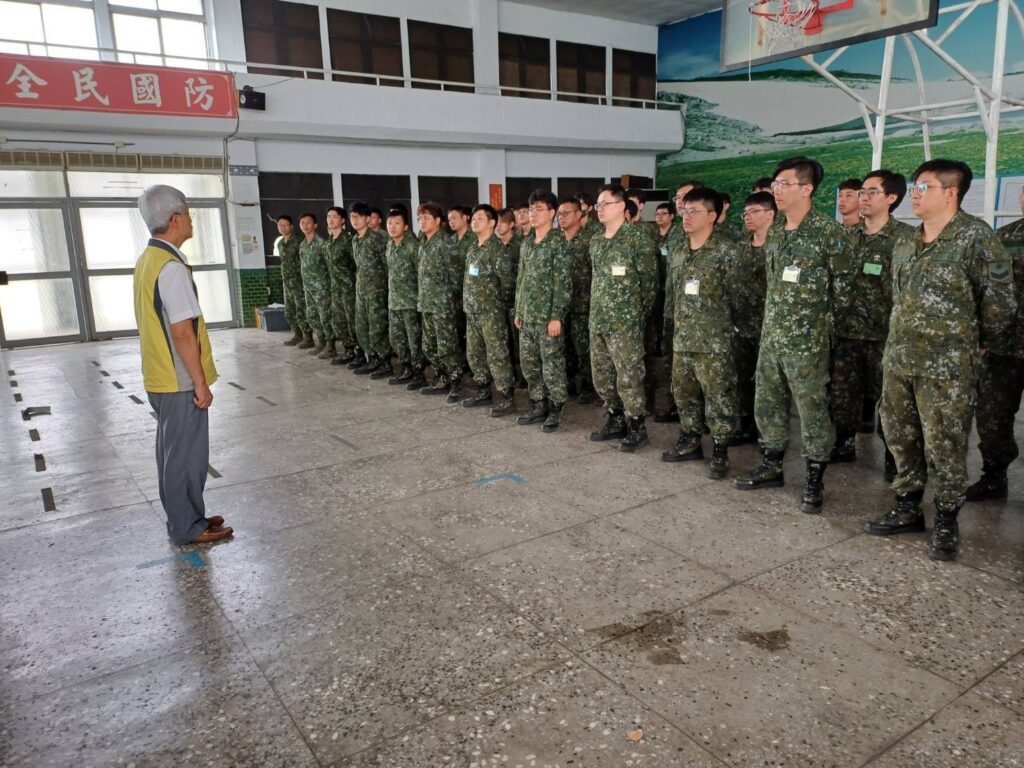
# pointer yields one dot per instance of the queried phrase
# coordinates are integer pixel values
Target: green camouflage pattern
(511, 249)
(542, 358)
(460, 247)
(405, 332)
(544, 284)
(750, 289)
(435, 279)
(1012, 238)
(316, 282)
(403, 266)
(342, 269)
(291, 278)
(487, 280)
(731, 232)
(579, 250)
(704, 389)
(617, 362)
(370, 254)
(487, 345)
(441, 339)
(703, 285)
(624, 283)
(801, 380)
(856, 376)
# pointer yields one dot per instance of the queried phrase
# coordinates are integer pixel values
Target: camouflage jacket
(750, 288)
(369, 252)
(863, 292)
(488, 284)
(702, 283)
(459, 250)
(951, 298)
(593, 227)
(544, 284)
(511, 249)
(340, 263)
(313, 256)
(579, 249)
(435, 279)
(624, 284)
(1012, 237)
(799, 269)
(288, 251)
(402, 293)
(729, 231)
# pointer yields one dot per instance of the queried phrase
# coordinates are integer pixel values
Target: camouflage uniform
(404, 329)
(511, 250)
(951, 298)
(750, 290)
(436, 302)
(703, 283)
(1002, 379)
(342, 269)
(461, 248)
(623, 291)
(663, 311)
(316, 282)
(793, 363)
(487, 292)
(291, 277)
(593, 227)
(543, 292)
(863, 301)
(729, 231)
(369, 253)
(578, 351)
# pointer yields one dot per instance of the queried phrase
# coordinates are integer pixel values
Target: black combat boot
(294, 340)
(905, 517)
(945, 533)
(587, 394)
(747, 432)
(307, 341)
(991, 485)
(507, 404)
(320, 346)
(440, 385)
(845, 450)
(417, 381)
(670, 416)
(454, 388)
(614, 428)
(371, 365)
(330, 350)
(719, 465)
(688, 448)
(766, 475)
(538, 412)
(383, 370)
(404, 376)
(554, 419)
(636, 434)
(358, 360)
(482, 397)
(890, 466)
(814, 487)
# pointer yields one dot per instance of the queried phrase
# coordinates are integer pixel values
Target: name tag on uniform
(618, 270)
(872, 269)
(692, 288)
(791, 274)
(664, 250)
(474, 270)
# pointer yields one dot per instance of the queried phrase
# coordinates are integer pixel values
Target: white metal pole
(883, 102)
(992, 144)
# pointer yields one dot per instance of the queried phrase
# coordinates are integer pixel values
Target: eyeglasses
(693, 211)
(678, 198)
(781, 185)
(751, 211)
(569, 213)
(923, 186)
(606, 203)
(870, 192)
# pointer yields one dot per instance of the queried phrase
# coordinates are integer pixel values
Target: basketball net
(780, 23)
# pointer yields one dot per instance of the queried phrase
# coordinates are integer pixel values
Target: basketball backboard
(761, 31)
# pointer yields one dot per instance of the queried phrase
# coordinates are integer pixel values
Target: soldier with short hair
(436, 302)
(523, 226)
(725, 227)
(369, 251)
(590, 223)
(510, 240)
(404, 328)
(286, 248)
(848, 203)
(953, 303)
(342, 269)
(316, 282)
(570, 219)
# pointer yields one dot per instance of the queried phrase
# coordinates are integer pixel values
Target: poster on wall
(761, 31)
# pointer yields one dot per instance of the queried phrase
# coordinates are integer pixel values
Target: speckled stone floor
(414, 584)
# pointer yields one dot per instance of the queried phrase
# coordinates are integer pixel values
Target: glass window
(108, 184)
(113, 303)
(67, 30)
(214, 295)
(146, 5)
(34, 240)
(32, 184)
(206, 247)
(570, 186)
(37, 309)
(633, 77)
(449, 190)
(22, 21)
(137, 33)
(114, 237)
(184, 38)
(163, 38)
(518, 190)
(580, 71)
(364, 42)
(279, 32)
(194, 7)
(441, 52)
(524, 62)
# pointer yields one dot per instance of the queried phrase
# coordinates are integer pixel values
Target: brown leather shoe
(216, 521)
(213, 534)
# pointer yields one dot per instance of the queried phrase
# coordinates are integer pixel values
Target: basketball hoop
(782, 24)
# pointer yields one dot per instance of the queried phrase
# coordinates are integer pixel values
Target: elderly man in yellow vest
(177, 366)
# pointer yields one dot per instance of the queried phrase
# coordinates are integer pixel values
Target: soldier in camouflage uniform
(286, 248)
(590, 223)
(462, 239)
(342, 270)
(404, 327)
(649, 235)
(758, 216)
(669, 236)
(863, 303)
(726, 228)
(487, 292)
(803, 251)
(369, 251)
(953, 299)
(848, 203)
(577, 352)
(436, 302)
(523, 225)
(543, 292)
(1000, 386)
(623, 291)
(316, 282)
(702, 278)
(509, 238)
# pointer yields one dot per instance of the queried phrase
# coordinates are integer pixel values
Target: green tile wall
(253, 291)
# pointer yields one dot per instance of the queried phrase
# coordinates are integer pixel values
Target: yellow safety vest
(155, 337)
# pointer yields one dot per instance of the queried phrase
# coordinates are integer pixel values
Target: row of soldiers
(797, 310)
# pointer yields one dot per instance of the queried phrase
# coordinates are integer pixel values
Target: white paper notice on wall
(247, 245)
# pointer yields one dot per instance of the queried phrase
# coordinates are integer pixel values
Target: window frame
(523, 59)
(367, 46)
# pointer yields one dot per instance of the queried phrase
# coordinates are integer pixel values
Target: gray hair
(158, 204)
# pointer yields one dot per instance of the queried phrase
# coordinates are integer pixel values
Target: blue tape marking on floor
(192, 557)
(501, 476)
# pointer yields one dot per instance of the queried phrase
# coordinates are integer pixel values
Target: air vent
(178, 163)
(101, 161)
(31, 158)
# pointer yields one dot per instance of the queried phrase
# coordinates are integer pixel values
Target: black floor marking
(14, 382)
(135, 399)
(104, 373)
(268, 402)
(155, 417)
(17, 397)
(236, 386)
(48, 503)
(33, 435)
(213, 472)
(11, 373)
(343, 441)
(117, 384)
(95, 362)
(40, 462)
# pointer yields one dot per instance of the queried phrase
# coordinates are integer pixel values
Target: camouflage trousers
(543, 361)
(856, 376)
(999, 390)
(318, 310)
(513, 341)
(704, 388)
(372, 322)
(294, 296)
(746, 375)
(577, 351)
(343, 308)
(801, 380)
(617, 361)
(406, 333)
(487, 349)
(441, 342)
(927, 423)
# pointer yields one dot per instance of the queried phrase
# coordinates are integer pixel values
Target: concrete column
(491, 170)
(485, 46)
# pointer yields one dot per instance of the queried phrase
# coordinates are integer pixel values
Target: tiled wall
(257, 288)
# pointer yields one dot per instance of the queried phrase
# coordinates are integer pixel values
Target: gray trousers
(182, 461)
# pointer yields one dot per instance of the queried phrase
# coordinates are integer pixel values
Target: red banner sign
(495, 195)
(99, 86)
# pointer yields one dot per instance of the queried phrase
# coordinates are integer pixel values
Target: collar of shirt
(171, 246)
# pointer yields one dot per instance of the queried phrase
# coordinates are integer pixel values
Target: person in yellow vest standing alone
(177, 366)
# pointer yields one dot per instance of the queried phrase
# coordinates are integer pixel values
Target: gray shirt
(179, 303)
